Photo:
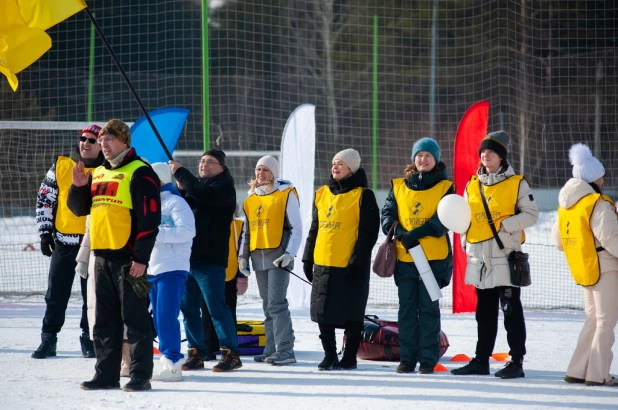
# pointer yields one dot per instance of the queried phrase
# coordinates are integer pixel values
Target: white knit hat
(271, 163)
(585, 166)
(351, 157)
(163, 171)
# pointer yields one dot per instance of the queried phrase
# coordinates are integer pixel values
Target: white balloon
(455, 213)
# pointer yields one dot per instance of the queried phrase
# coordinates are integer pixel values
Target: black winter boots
(512, 370)
(194, 361)
(474, 367)
(330, 352)
(87, 346)
(405, 367)
(348, 361)
(95, 384)
(230, 360)
(47, 348)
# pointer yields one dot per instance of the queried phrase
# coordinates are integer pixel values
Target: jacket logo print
(416, 208)
(331, 211)
(118, 176)
(259, 210)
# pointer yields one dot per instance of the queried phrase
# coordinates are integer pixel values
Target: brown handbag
(386, 259)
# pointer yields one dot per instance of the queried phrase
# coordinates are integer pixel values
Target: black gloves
(141, 286)
(308, 269)
(47, 244)
(408, 240)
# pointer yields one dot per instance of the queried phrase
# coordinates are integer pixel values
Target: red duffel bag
(380, 340)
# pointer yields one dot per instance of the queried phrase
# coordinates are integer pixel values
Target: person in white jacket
(513, 209)
(271, 237)
(169, 268)
(587, 231)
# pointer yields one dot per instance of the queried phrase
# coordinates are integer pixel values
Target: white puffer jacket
(488, 266)
(176, 231)
(603, 222)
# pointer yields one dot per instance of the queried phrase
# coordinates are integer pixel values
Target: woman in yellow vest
(272, 236)
(513, 208)
(587, 231)
(337, 256)
(413, 202)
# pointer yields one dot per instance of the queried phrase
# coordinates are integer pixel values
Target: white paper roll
(420, 260)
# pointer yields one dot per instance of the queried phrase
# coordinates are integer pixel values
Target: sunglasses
(90, 140)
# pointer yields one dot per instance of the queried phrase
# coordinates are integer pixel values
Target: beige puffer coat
(603, 222)
(488, 266)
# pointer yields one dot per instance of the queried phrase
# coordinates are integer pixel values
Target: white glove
(82, 269)
(242, 266)
(283, 261)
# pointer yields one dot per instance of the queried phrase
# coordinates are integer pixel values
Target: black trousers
(59, 285)
(118, 306)
(489, 301)
(211, 341)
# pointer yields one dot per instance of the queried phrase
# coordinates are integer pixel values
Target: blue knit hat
(426, 144)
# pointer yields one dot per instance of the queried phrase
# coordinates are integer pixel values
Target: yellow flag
(22, 31)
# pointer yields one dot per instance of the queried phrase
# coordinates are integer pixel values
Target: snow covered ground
(54, 383)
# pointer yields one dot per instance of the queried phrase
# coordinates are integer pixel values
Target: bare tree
(313, 31)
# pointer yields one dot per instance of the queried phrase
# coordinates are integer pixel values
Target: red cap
(91, 129)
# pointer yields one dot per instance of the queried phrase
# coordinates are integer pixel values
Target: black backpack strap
(489, 218)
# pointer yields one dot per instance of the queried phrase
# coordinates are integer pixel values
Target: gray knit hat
(351, 157)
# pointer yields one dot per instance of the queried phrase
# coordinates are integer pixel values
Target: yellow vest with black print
(578, 240)
(266, 217)
(338, 218)
(415, 208)
(501, 199)
(110, 216)
(232, 258)
(66, 222)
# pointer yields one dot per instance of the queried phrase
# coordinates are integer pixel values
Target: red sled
(380, 340)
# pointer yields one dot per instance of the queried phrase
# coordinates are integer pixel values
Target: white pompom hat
(585, 166)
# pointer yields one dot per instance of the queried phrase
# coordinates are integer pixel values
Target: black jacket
(421, 181)
(339, 295)
(213, 201)
(145, 215)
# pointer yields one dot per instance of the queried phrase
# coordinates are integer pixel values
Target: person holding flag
(123, 200)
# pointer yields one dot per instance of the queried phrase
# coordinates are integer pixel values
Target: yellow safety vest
(415, 208)
(502, 202)
(66, 222)
(110, 216)
(338, 218)
(578, 240)
(232, 258)
(266, 216)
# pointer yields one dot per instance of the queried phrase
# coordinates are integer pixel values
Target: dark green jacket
(420, 181)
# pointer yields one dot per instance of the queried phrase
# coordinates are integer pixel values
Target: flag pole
(126, 79)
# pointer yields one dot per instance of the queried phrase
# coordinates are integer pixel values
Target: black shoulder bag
(518, 261)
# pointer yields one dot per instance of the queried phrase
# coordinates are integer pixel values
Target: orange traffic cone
(500, 357)
(155, 350)
(440, 368)
(460, 358)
